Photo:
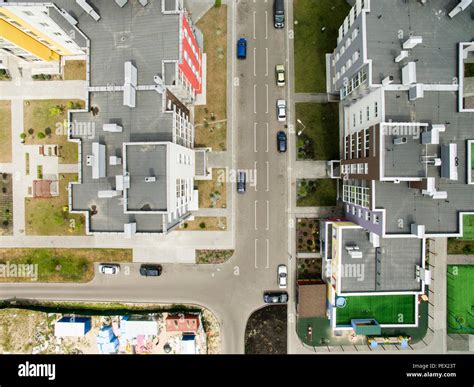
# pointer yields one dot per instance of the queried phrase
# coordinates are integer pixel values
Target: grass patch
(205, 224)
(50, 216)
(316, 193)
(312, 44)
(468, 70)
(468, 227)
(460, 299)
(397, 309)
(213, 193)
(63, 265)
(319, 138)
(42, 118)
(460, 246)
(210, 119)
(213, 256)
(5, 132)
(75, 70)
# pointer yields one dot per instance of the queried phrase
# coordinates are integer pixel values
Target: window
(367, 216)
(359, 213)
(355, 56)
(376, 109)
(353, 120)
(355, 33)
(44, 24)
(28, 13)
(368, 113)
(360, 117)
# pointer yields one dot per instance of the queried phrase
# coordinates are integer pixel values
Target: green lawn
(312, 44)
(460, 299)
(396, 309)
(50, 216)
(468, 227)
(62, 265)
(5, 132)
(318, 137)
(316, 193)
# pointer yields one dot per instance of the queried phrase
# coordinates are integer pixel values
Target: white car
(109, 268)
(282, 277)
(280, 75)
(281, 109)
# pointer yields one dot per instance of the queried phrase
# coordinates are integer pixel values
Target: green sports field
(460, 298)
(396, 309)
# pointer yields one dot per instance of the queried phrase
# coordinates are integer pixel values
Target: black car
(275, 297)
(281, 141)
(150, 270)
(241, 181)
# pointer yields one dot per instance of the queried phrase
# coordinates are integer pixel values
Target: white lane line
(266, 24)
(255, 61)
(255, 214)
(255, 137)
(267, 138)
(255, 175)
(254, 14)
(266, 86)
(266, 61)
(255, 253)
(268, 253)
(268, 176)
(255, 98)
(268, 215)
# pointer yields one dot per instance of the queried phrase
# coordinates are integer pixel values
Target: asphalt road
(235, 289)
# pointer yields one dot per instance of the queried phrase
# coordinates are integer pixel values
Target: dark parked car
(150, 270)
(242, 48)
(281, 141)
(275, 297)
(279, 13)
(241, 181)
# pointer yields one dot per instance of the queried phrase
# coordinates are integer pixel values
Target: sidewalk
(43, 90)
(309, 170)
(18, 168)
(311, 97)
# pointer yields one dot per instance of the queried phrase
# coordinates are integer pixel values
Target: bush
(202, 225)
(217, 3)
(23, 136)
(56, 110)
(41, 135)
(47, 131)
(31, 131)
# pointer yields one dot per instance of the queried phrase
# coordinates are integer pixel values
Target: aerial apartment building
(137, 161)
(406, 145)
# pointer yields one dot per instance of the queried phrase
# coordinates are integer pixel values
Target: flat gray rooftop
(436, 57)
(409, 205)
(146, 161)
(141, 34)
(391, 267)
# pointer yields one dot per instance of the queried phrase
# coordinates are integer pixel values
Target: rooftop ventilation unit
(409, 74)
(403, 54)
(412, 42)
(399, 140)
(387, 80)
(460, 7)
(416, 91)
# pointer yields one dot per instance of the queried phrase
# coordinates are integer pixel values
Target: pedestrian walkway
(68, 168)
(217, 159)
(21, 89)
(310, 97)
(460, 259)
(309, 170)
(18, 160)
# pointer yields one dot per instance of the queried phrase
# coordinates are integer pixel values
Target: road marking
(255, 137)
(268, 253)
(266, 86)
(268, 176)
(254, 14)
(255, 170)
(236, 81)
(255, 253)
(266, 24)
(267, 138)
(255, 98)
(255, 61)
(255, 214)
(266, 61)
(268, 215)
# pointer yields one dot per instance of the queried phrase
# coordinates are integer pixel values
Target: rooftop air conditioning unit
(150, 179)
(387, 80)
(399, 140)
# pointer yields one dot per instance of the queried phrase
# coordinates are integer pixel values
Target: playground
(392, 310)
(460, 299)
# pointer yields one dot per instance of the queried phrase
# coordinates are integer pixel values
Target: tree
(31, 131)
(47, 131)
(41, 135)
(23, 136)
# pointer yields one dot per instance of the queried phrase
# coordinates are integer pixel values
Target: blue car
(281, 141)
(242, 48)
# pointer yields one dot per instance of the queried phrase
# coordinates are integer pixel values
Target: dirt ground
(266, 331)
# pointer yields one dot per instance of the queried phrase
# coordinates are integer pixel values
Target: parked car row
(278, 297)
(146, 270)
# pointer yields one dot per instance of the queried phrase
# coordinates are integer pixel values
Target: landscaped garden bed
(307, 235)
(213, 193)
(316, 193)
(6, 204)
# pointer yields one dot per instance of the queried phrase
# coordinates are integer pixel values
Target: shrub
(31, 131)
(47, 131)
(202, 225)
(217, 3)
(23, 136)
(41, 135)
